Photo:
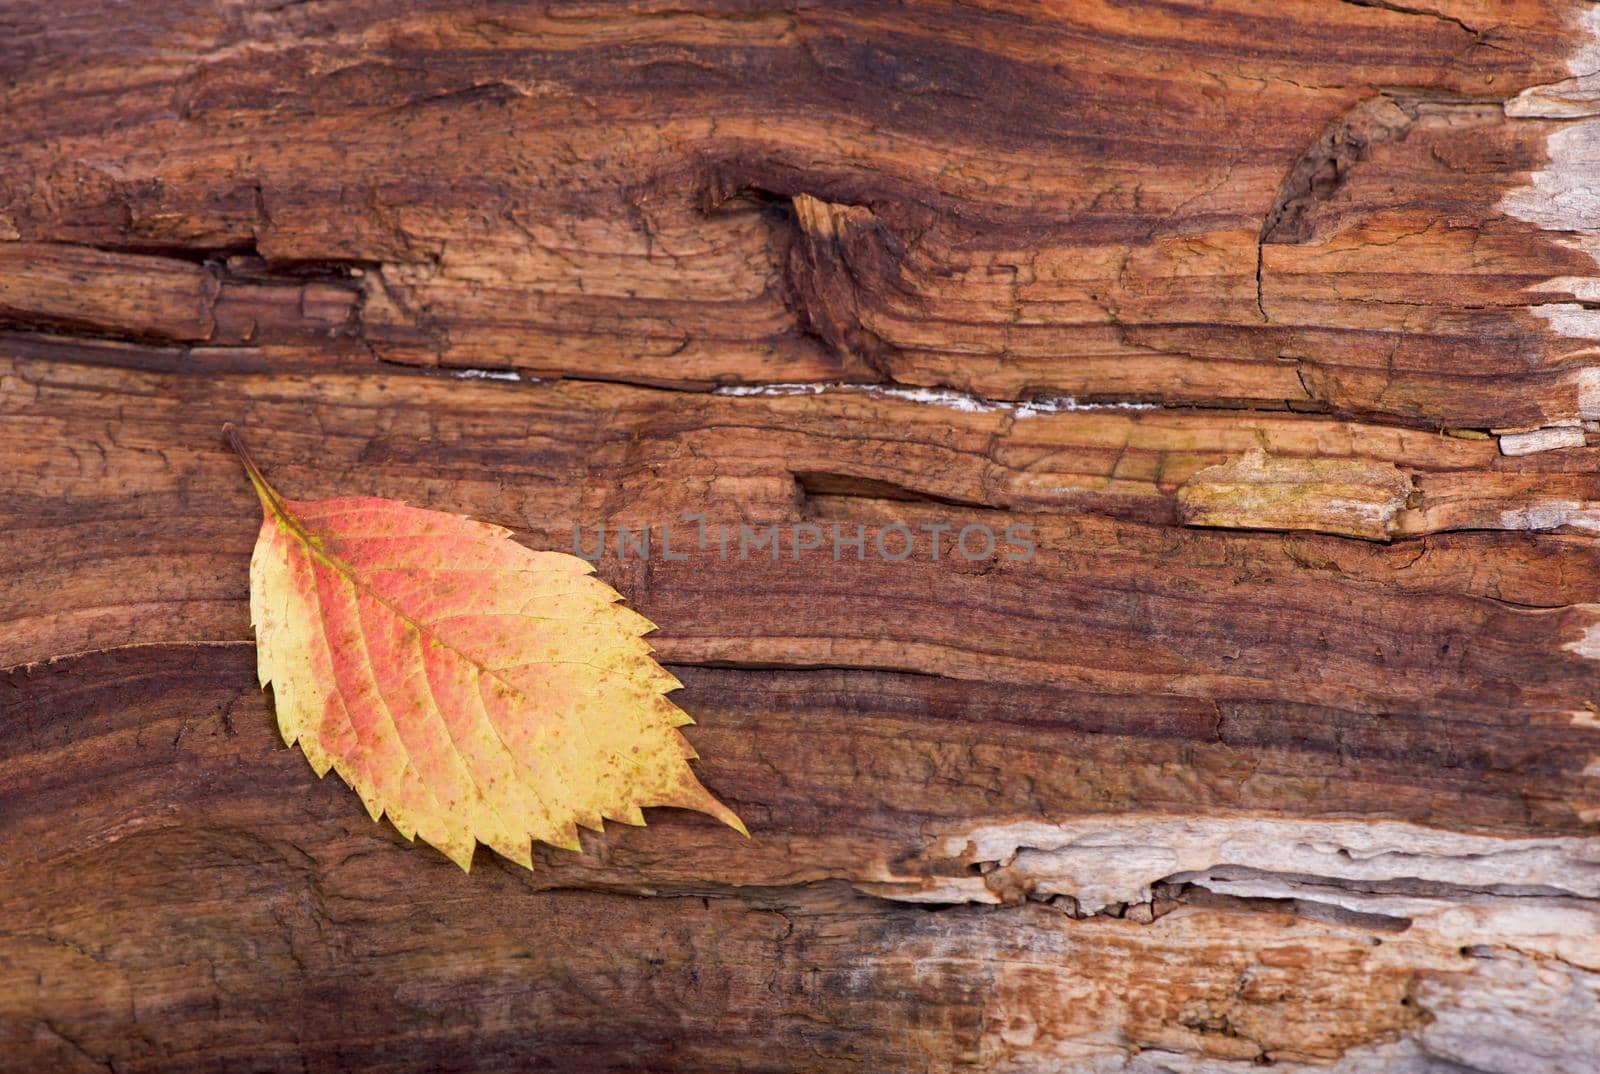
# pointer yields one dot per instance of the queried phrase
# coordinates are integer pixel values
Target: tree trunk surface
(1270, 326)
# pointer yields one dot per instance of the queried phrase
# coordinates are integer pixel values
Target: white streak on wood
(1582, 288)
(1571, 98)
(1547, 439)
(1569, 319)
(963, 402)
(1588, 646)
(1564, 197)
(485, 374)
(1587, 382)
(1115, 859)
(1554, 515)
(1067, 403)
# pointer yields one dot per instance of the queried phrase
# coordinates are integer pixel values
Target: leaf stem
(269, 495)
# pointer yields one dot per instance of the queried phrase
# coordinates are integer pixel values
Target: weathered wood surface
(1273, 321)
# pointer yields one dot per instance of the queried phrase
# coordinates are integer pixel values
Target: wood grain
(1269, 325)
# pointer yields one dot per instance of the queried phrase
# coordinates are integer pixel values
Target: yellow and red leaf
(469, 688)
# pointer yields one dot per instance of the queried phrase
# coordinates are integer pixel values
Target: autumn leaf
(469, 688)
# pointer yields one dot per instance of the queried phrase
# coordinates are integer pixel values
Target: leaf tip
(692, 794)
